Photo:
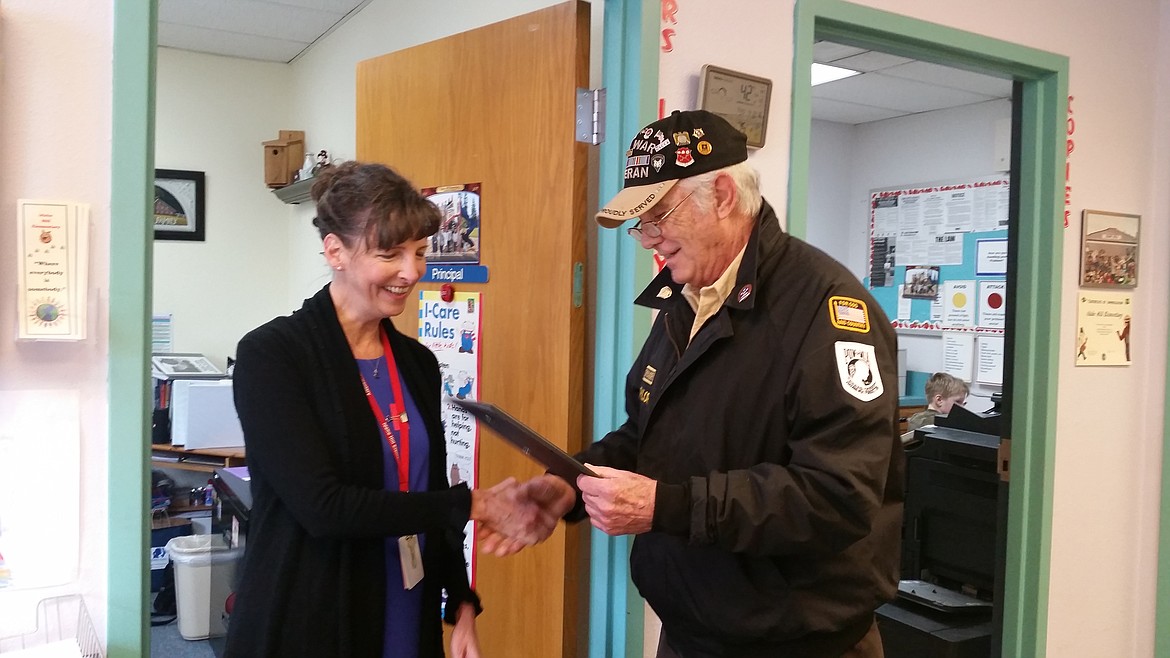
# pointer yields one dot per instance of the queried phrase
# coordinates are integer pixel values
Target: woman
(341, 418)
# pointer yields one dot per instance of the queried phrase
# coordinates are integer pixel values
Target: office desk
(203, 460)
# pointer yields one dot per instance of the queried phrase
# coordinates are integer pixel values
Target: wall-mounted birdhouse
(282, 157)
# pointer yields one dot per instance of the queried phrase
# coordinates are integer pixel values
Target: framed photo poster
(178, 205)
(740, 98)
(1109, 249)
(183, 365)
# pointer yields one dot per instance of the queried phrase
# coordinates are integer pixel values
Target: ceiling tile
(825, 52)
(896, 93)
(946, 76)
(250, 17)
(871, 61)
(826, 109)
(229, 44)
(331, 6)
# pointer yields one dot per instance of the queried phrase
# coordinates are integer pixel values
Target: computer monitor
(950, 530)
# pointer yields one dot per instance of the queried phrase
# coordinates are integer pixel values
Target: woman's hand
(551, 494)
(509, 510)
(464, 642)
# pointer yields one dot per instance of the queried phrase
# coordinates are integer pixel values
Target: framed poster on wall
(1109, 249)
(178, 205)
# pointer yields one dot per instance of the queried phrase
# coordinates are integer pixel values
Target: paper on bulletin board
(1103, 328)
(991, 256)
(993, 304)
(452, 331)
(958, 298)
(904, 304)
(40, 467)
(53, 256)
(958, 348)
(989, 359)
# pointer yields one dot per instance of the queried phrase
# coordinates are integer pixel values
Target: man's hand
(619, 502)
(506, 510)
(551, 495)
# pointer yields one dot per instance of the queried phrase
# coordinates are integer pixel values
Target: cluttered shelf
(204, 460)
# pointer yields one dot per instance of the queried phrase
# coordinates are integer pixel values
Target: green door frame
(1044, 77)
(131, 258)
(1162, 595)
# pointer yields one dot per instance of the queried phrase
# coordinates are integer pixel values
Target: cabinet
(203, 460)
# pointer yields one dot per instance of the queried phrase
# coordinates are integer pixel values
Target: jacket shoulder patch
(858, 367)
(849, 314)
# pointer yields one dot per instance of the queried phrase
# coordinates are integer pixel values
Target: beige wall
(211, 114)
(55, 77)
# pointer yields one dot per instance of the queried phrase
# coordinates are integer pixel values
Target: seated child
(943, 391)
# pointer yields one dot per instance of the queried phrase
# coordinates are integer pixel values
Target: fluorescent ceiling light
(822, 73)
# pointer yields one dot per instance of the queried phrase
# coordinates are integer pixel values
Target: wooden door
(496, 106)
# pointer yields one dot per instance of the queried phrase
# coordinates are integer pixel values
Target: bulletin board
(938, 266)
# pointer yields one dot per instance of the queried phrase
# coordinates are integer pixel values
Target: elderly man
(760, 465)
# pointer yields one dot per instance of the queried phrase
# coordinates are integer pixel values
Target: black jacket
(779, 506)
(314, 576)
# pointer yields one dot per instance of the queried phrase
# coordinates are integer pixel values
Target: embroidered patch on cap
(857, 365)
(849, 314)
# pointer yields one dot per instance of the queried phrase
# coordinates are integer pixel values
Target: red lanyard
(397, 417)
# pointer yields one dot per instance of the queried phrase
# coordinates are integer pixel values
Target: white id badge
(411, 558)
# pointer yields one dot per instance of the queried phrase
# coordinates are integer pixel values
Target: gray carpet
(166, 642)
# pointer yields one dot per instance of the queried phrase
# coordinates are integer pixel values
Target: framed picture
(1109, 249)
(457, 240)
(740, 98)
(921, 282)
(183, 365)
(178, 205)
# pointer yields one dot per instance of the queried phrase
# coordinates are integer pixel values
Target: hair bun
(327, 175)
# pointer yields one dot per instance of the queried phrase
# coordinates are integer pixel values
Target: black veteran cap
(683, 144)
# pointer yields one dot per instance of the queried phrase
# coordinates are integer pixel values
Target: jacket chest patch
(858, 367)
(648, 375)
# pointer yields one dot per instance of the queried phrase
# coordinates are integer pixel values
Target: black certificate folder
(525, 439)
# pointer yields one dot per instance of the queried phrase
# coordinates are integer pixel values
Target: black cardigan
(314, 576)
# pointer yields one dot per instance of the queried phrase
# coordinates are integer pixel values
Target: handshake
(514, 515)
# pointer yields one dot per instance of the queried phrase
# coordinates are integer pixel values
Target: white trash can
(204, 567)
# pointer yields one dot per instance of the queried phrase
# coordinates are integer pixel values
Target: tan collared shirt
(705, 302)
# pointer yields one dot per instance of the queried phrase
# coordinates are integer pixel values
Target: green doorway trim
(1162, 594)
(131, 253)
(630, 77)
(1044, 80)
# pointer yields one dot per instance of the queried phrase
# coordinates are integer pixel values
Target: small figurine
(322, 161)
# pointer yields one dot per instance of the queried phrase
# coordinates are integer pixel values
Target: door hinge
(578, 285)
(1003, 460)
(591, 116)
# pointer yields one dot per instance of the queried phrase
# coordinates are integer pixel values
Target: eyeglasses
(649, 229)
